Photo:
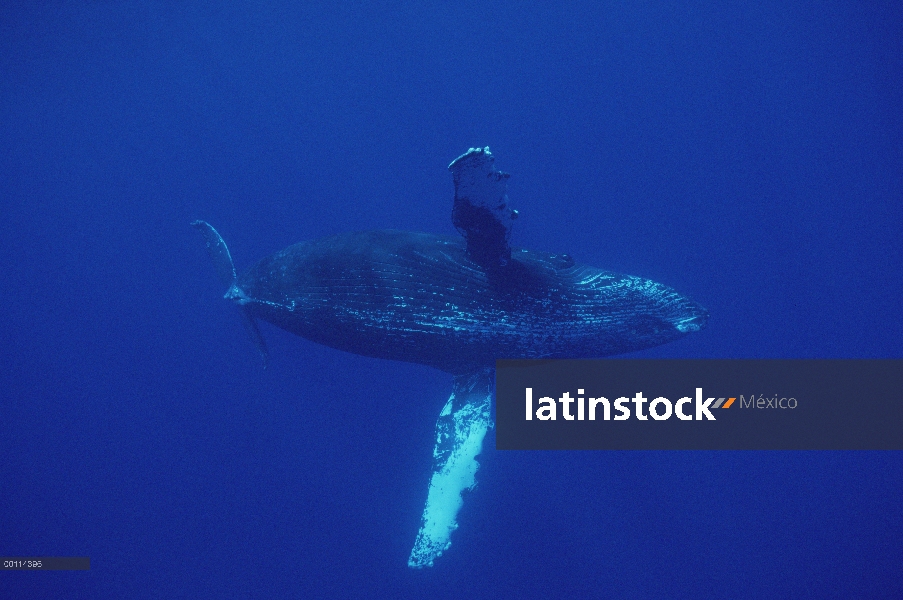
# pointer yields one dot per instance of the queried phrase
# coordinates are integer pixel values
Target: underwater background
(747, 154)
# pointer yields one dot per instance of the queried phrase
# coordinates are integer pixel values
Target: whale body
(457, 304)
(418, 297)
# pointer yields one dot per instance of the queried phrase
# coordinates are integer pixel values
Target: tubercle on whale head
(680, 312)
(690, 316)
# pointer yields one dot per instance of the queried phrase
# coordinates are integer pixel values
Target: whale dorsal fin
(481, 213)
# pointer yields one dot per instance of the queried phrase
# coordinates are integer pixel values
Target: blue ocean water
(747, 154)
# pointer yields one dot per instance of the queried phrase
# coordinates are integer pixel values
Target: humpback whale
(456, 304)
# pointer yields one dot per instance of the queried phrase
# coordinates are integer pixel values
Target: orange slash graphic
(728, 403)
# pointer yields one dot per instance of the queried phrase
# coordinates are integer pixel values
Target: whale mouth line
(691, 324)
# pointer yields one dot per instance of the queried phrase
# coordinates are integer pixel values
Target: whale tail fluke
(460, 430)
(481, 212)
(225, 269)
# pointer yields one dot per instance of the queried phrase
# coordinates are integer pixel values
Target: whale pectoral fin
(255, 335)
(460, 430)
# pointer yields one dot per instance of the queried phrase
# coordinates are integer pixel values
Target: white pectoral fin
(460, 430)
